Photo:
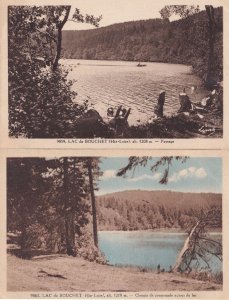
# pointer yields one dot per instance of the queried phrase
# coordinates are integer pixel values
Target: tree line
(143, 210)
(199, 246)
(183, 41)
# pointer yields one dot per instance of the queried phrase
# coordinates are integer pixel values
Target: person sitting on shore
(185, 103)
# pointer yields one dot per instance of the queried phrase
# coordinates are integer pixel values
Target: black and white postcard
(121, 70)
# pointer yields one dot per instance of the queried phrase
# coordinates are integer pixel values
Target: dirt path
(62, 273)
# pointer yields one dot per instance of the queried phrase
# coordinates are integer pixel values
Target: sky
(203, 174)
(116, 11)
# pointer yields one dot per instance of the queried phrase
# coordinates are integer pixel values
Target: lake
(112, 83)
(145, 248)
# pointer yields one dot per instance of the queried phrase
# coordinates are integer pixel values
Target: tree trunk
(23, 224)
(70, 242)
(59, 39)
(211, 37)
(90, 175)
(182, 258)
(58, 48)
(23, 235)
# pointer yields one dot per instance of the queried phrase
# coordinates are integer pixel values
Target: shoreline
(64, 273)
(159, 231)
(133, 61)
(173, 124)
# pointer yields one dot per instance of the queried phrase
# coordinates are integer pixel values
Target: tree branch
(210, 240)
(48, 34)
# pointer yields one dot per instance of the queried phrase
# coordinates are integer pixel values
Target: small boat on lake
(141, 65)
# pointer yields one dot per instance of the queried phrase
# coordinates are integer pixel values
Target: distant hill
(183, 41)
(139, 209)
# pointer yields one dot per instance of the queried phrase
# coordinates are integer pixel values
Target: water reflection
(113, 83)
(145, 249)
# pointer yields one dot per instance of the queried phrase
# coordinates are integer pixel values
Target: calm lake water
(145, 248)
(111, 83)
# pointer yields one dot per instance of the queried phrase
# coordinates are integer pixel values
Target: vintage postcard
(103, 220)
(133, 224)
(114, 73)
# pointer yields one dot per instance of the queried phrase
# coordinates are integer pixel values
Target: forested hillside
(183, 41)
(137, 209)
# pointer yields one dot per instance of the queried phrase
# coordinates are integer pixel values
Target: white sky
(117, 11)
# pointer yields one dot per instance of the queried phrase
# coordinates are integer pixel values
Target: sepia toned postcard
(114, 149)
(113, 74)
(133, 224)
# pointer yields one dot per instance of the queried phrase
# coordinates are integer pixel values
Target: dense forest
(50, 205)
(183, 41)
(139, 210)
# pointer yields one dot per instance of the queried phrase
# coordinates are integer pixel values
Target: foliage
(24, 189)
(166, 161)
(183, 11)
(180, 126)
(90, 19)
(86, 248)
(143, 210)
(183, 41)
(41, 102)
(38, 31)
(48, 203)
(200, 247)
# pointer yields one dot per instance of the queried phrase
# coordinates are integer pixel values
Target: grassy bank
(180, 126)
(63, 273)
